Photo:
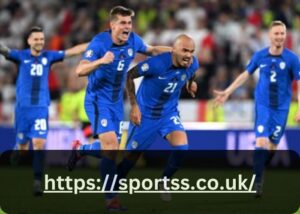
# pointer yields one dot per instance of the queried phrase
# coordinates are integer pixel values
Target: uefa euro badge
(145, 67)
(183, 77)
(130, 52)
(44, 61)
(20, 135)
(260, 128)
(89, 53)
(282, 65)
(134, 144)
(104, 122)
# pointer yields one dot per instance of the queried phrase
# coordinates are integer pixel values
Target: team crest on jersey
(145, 67)
(89, 53)
(260, 128)
(183, 77)
(282, 65)
(104, 122)
(130, 52)
(20, 135)
(134, 144)
(44, 61)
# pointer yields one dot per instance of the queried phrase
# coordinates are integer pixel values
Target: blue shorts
(31, 122)
(270, 123)
(104, 118)
(141, 137)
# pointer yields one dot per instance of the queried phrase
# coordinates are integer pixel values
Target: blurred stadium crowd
(226, 32)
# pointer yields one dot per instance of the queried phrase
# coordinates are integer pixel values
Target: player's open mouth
(187, 60)
(126, 33)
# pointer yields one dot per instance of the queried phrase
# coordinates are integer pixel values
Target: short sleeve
(14, 55)
(296, 68)
(56, 56)
(253, 64)
(139, 44)
(150, 67)
(93, 51)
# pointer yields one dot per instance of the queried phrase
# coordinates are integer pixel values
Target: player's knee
(38, 144)
(262, 143)
(24, 146)
(177, 138)
(109, 141)
(272, 146)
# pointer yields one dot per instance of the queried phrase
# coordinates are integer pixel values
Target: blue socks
(38, 164)
(91, 149)
(260, 158)
(175, 160)
(108, 170)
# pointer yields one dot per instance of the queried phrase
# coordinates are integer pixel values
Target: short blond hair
(277, 23)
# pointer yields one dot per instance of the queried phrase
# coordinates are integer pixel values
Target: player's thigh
(172, 129)
(38, 143)
(177, 138)
(22, 127)
(262, 122)
(141, 137)
(100, 118)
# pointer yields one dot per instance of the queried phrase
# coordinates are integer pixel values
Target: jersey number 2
(273, 76)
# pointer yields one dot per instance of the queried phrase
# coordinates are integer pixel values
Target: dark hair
(120, 10)
(35, 29)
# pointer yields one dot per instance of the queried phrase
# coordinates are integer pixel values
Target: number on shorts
(40, 124)
(277, 131)
(176, 120)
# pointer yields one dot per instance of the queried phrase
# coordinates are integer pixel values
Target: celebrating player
(106, 62)
(154, 109)
(278, 66)
(32, 96)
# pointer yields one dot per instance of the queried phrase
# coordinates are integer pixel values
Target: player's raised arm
(135, 113)
(155, 50)
(85, 67)
(222, 96)
(78, 49)
(4, 50)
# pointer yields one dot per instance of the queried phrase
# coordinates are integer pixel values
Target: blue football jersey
(106, 84)
(160, 89)
(276, 74)
(32, 83)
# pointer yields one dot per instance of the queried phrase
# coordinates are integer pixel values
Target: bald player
(154, 108)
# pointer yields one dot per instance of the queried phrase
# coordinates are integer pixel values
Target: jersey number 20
(36, 70)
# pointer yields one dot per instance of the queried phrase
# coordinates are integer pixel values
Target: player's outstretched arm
(155, 50)
(4, 50)
(86, 67)
(297, 118)
(135, 113)
(78, 49)
(222, 96)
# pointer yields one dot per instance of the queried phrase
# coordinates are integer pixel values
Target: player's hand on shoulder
(192, 88)
(220, 97)
(135, 115)
(107, 58)
(297, 118)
